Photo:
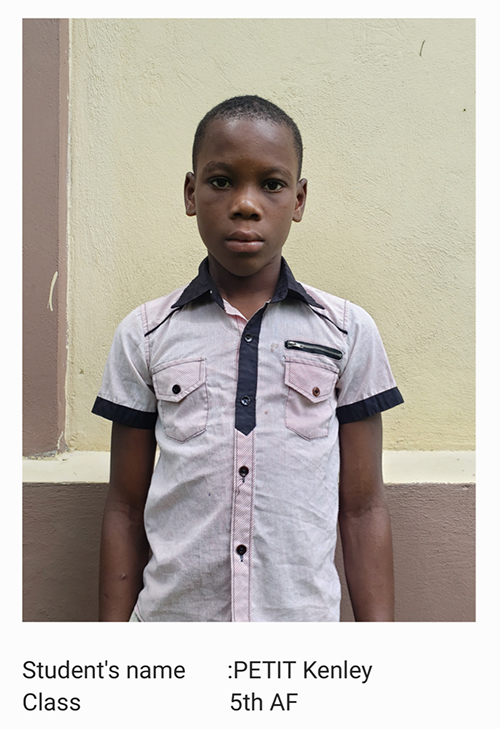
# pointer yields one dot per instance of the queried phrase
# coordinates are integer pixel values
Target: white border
(427, 674)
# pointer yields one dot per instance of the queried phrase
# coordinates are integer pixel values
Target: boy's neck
(248, 294)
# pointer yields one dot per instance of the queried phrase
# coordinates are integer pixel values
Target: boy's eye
(273, 185)
(220, 182)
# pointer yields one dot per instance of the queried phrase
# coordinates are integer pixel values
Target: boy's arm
(124, 547)
(364, 521)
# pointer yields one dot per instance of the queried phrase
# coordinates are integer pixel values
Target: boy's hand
(124, 547)
(364, 521)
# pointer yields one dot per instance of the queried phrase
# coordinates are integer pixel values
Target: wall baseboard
(400, 467)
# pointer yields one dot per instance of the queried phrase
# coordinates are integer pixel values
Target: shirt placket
(242, 523)
(244, 466)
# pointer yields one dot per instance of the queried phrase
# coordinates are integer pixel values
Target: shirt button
(176, 389)
(243, 471)
(241, 549)
(245, 400)
(248, 338)
(316, 391)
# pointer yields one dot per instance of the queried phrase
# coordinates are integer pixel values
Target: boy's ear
(300, 201)
(189, 201)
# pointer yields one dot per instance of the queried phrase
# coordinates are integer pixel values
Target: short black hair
(247, 107)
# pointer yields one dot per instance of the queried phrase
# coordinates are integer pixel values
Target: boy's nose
(245, 205)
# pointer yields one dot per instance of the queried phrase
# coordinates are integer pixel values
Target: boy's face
(245, 193)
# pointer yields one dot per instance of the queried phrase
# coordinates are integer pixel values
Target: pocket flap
(314, 381)
(173, 381)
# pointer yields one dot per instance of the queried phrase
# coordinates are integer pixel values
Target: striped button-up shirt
(241, 513)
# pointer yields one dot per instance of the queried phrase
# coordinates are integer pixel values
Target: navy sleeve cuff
(123, 415)
(371, 406)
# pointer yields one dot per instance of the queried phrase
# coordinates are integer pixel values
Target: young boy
(264, 397)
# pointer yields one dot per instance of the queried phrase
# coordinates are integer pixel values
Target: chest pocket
(181, 390)
(309, 405)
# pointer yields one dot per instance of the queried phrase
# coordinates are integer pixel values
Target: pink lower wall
(434, 548)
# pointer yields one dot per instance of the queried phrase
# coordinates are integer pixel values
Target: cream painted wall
(388, 127)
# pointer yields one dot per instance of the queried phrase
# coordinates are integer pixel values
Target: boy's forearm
(368, 563)
(124, 554)
(124, 546)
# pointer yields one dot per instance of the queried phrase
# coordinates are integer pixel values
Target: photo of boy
(264, 397)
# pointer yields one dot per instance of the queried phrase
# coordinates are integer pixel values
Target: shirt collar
(204, 284)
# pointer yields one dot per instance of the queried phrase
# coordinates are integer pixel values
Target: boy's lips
(244, 241)
(244, 236)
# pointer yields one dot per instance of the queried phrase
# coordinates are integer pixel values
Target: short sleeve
(366, 385)
(126, 395)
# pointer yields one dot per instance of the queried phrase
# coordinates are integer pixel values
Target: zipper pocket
(314, 349)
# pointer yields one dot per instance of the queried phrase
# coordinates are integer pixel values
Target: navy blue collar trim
(203, 284)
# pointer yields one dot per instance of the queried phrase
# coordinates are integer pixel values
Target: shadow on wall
(433, 534)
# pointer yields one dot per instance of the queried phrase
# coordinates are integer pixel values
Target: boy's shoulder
(150, 314)
(341, 311)
(154, 312)
(334, 307)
